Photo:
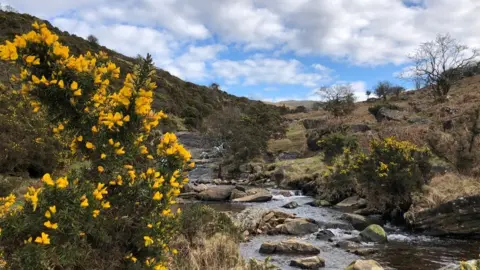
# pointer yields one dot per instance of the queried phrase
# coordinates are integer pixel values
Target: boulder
(325, 235)
(359, 128)
(354, 202)
(291, 205)
(347, 245)
(320, 203)
(363, 251)
(216, 193)
(258, 197)
(314, 262)
(237, 194)
(374, 233)
(200, 187)
(468, 265)
(249, 218)
(290, 246)
(389, 114)
(358, 222)
(364, 265)
(296, 227)
(457, 217)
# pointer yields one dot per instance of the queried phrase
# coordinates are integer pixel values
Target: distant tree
(339, 99)
(382, 90)
(215, 86)
(440, 63)
(92, 39)
(368, 93)
(300, 109)
(396, 90)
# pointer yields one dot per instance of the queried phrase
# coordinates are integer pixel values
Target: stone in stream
(259, 197)
(314, 262)
(374, 233)
(194, 188)
(298, 226)
(347, 245)
(290, 246)
(364, 265)
(363, 251)
(319, 203)
(236, 193)
(216, 193)
(358, 222)
(291, 205)
(468, 265)
(325, 235)
(354, 202)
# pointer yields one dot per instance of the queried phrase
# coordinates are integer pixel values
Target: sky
(271, 50)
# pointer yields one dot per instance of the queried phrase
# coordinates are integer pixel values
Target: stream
(404, 250)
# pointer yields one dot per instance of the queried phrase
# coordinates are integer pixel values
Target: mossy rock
(374, 233)
(364, 265)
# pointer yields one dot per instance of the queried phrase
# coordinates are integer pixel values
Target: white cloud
(361, 32)
(269, 71)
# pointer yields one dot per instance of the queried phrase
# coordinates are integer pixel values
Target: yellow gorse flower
(44, 239)
(148, 240)
(50, 225)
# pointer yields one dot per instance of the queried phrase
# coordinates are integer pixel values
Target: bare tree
(383, 89)
(440, 63)
(339, 99)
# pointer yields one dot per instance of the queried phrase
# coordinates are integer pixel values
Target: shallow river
(403, 251)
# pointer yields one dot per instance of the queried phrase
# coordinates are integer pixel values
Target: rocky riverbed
(285, 226)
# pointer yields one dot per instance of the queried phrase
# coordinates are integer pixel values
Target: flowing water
(403, 251)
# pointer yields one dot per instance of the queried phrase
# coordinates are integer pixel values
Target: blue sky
(270, 50)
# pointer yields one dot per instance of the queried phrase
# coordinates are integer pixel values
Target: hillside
(188, 101)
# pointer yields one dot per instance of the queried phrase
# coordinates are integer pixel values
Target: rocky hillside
(188, 101)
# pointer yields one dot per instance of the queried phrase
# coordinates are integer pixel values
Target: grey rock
(237, 194)
(358, 222)
(457, 217)
(389, 114)
(290, 246)
(216, 193)
(359, 128)
(353, 202)
(258, 197)
(314, 262)
(363, 251)
(297, 227)
(325, 235)
(374, 233)
(364, 265)
(291, 205)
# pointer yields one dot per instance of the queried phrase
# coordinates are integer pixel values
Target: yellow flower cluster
(61, 182)
(6, 203)
(169, 146)
(32, 196)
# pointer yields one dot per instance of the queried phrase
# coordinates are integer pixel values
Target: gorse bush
(25, 145)
(339, 181)
(114, 213)
(391, 172)
(334, 144)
